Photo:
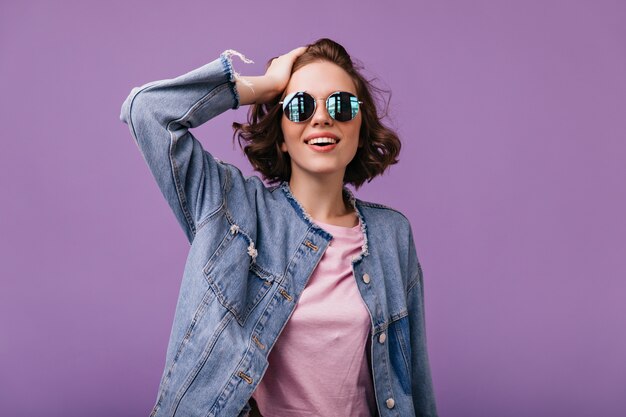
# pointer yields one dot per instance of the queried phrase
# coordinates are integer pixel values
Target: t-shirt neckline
(339, 229)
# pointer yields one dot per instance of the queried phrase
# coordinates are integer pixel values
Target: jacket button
(366, 278)
(382, 338)
(390, 402)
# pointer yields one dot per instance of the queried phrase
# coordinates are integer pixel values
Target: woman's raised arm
(160, 114)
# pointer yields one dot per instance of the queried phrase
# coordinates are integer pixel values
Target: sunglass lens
(300, 107)
(343, 106)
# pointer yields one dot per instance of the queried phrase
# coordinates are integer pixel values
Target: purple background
(512, 173)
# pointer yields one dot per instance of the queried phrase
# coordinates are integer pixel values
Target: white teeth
(321, 140)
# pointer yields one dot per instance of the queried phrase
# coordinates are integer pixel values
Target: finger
(298, 51)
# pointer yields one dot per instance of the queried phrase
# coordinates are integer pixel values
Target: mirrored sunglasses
(300, 106)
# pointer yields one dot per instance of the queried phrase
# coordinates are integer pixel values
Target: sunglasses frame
(315, 100)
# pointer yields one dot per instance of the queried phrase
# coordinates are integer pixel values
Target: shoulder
(384, 215)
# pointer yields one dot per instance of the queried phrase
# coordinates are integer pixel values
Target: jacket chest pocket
(238, 282)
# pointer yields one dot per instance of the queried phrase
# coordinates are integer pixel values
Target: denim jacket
(253, 249)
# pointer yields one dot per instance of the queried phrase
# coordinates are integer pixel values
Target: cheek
(291, 132)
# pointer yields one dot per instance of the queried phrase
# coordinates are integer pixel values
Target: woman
(337, 278)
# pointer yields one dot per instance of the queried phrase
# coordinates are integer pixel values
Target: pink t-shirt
(319, 364)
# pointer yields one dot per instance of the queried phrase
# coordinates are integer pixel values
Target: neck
(321, 197)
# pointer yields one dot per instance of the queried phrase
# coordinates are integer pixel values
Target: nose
(321, 115)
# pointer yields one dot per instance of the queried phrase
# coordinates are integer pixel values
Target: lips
(322, 149)
(321, 135)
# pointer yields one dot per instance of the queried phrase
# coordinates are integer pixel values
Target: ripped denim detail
(234, 228)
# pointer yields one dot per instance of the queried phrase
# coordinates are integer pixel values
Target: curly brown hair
(263, 133)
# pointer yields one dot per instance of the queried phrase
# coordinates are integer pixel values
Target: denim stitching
(130, 106)
(180, 192)
(203, 358)
(182, 198)
(185, 341)
(208, 218)
(381, 206)
(403, 347)
(417, 280)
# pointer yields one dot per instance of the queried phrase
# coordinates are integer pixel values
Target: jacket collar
(306, 217)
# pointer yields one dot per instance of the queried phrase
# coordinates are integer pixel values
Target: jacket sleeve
(421, 381)
(160, 114)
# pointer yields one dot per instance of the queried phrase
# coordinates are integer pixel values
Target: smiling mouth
(321, 144)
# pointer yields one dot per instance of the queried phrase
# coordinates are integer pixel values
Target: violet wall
(512, 172)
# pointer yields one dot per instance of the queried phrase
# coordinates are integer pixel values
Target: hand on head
(279, 70)
(262, 89)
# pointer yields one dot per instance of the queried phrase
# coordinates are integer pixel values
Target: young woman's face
(320, 79)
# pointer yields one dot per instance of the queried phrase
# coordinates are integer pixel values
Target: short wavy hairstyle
(263, 134)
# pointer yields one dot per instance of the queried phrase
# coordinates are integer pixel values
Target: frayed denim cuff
(234, 75)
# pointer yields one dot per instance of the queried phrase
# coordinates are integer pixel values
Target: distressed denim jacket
(253, 249)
